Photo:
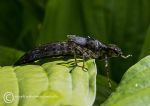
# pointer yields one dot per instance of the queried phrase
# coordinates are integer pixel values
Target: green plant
(25, 24)
(77, 88)
(51, 84)
(134, 89)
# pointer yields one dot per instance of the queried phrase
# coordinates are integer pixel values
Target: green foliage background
(25, 24)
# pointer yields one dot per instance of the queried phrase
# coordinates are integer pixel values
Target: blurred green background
(25, 24)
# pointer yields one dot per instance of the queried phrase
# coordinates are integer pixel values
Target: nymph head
(115, 51)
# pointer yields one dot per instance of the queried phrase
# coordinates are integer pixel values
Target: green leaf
(21, 21)
(61, 18)
(32, 81)
(32, 16)
(10, 22)
(146, 47)
(51, 84)
(95, 18)
(102, 89)
(9, 56)
(134, 89)
(8, 84)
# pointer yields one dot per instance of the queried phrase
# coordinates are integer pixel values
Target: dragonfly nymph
(77, 47)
